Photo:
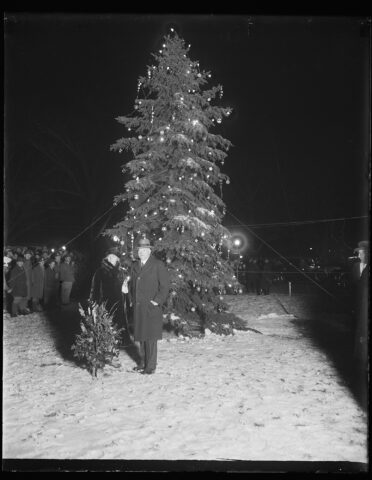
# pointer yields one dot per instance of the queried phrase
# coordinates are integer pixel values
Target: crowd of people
(41, 278)
(259, 274)
(36, 278)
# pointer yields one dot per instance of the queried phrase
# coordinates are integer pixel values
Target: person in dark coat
(259, 275)
(28, 268)
(249, 280)
(149, 283)
(6, 289)
(361, 289)
(106, 286)
(18, 287)
(51, 283)
(266, 277)
(37, 284)
(67, 278)
(255, 276)
(57, 257)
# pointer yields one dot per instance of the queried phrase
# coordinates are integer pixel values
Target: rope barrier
(284, 258)
(300, 222)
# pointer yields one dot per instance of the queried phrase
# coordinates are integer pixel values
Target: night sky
(299, 88)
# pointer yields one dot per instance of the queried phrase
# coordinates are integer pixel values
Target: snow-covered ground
(252, 396)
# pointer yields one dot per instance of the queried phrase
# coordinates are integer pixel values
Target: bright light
(52, 250)
(237, 243)
(310, 248)
(63, 248)
(115, 238)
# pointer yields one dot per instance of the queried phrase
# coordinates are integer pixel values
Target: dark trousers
(149, 353)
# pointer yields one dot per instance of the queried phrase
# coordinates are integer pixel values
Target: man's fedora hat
(362, 245)
(144, 243)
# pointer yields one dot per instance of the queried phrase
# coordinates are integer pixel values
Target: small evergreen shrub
(97, 344)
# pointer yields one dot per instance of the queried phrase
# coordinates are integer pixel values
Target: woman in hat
(106, 284)
(149, 284)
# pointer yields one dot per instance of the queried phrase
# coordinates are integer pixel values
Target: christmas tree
(174, 193)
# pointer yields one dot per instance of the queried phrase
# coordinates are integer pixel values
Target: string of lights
(91, 225)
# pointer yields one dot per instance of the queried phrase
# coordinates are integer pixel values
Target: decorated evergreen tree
(174, 194)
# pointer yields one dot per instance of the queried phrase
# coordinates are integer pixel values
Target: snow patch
(273, 315)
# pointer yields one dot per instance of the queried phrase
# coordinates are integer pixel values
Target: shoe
(138, 368)
(148, 372)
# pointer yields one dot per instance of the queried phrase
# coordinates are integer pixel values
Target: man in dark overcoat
(360, 276)
(18, 288)
(149, 284)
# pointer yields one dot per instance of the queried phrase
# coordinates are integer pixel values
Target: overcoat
(51, 281)
(18, 282)
(151, 282)
(361, 316)
(28, 268)
(106, 285)
(37, 281)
